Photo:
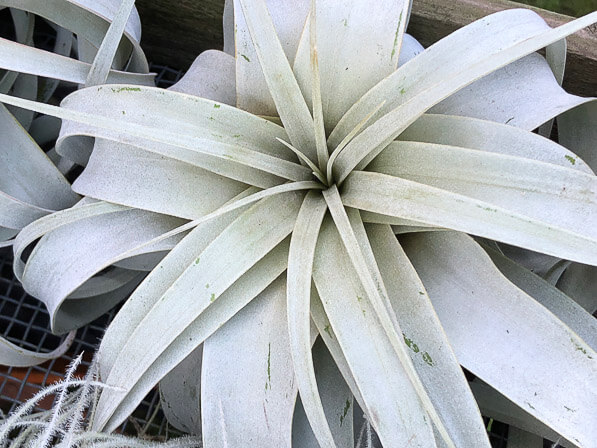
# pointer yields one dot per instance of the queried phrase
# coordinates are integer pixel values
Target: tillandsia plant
(334, 204)
(33, 182)
(34, 73)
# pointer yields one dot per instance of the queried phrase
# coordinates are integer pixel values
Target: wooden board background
(174, 33)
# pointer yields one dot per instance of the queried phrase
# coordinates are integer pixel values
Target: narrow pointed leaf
(439, 62)
(393, 196)
(566, 309)
(554, 195)
(524, 94)
(429, 346)
(281, 82)
(33, 61)
(345, 56)
(300, 265)
(233, 300)
(288, 17)
(214, 270)
(15, 356)
(395, 411)
(316, 103)
(158, 282)
(495, 405)
(361, 257)
(522, 372)
(98, 73)
(370, 142)
(247, 385)
(493, 137)
(337, 401)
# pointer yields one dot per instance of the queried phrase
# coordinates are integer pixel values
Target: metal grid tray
(25, 322)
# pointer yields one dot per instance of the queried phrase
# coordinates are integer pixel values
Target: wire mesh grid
(166, 76)
(498, 432)
(25, 322)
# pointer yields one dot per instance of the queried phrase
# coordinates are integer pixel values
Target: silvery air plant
(33, 182)
(336, 221)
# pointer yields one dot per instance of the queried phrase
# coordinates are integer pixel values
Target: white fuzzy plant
(66, 424)
(325, 210)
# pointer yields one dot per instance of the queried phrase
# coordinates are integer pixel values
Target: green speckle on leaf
(236, 136)
(395, 46)
(402, 91)
(509, 120)
(207, 285)
(245, 58)
(197, 260)
(210, 118)
(421, 293)
(581, 349)
(328, 330)
(212, 297)
(345, 411)
(268, 384)
(216, 106)
(570, 159)
(427, 358)
(126, 89)
(569, 409)
(359, 298)
(345, 22)
(123, 113)
(410, 344)
(529, 405)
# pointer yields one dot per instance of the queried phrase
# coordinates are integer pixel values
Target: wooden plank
(176, 32)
